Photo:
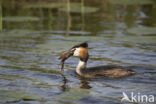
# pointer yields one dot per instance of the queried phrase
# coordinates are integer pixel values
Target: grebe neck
(81, 66)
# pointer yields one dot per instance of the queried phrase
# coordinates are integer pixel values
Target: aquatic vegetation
(17, 95)
(1, 17)
(84, 38)
(16, 33)
(20, 18)
(137, 39)
(74, 94)
(44, 5)
(51, 46)
(74, 7)
(77, 8)
(142, 30)
(131, 2)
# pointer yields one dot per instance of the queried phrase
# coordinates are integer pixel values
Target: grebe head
(81, 51)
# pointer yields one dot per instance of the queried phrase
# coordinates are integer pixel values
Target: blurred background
(33, 33)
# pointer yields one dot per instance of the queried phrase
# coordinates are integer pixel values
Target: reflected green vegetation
(74, 7)
(20, 19)
(84, 38)
(17, 95)
(49, 48)
(16, 33)
(137, 39)
(142, 30)
(1, 24)
(77, 8)
(73, 94)
(45, 5)
(132, 2)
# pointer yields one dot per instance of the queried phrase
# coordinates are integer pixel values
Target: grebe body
(81, 52)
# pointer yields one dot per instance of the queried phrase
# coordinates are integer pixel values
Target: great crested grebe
(81, 69)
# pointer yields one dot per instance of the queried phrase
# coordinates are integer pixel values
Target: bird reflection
(64, 86)
(83, 83)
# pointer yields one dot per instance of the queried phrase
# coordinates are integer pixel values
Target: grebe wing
(109, 71)
(104, 67)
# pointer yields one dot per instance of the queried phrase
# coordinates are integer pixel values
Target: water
(34, 34)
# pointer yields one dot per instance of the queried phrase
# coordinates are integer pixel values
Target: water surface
(33, 34)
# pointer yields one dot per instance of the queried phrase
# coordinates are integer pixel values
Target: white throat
(81, 65)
